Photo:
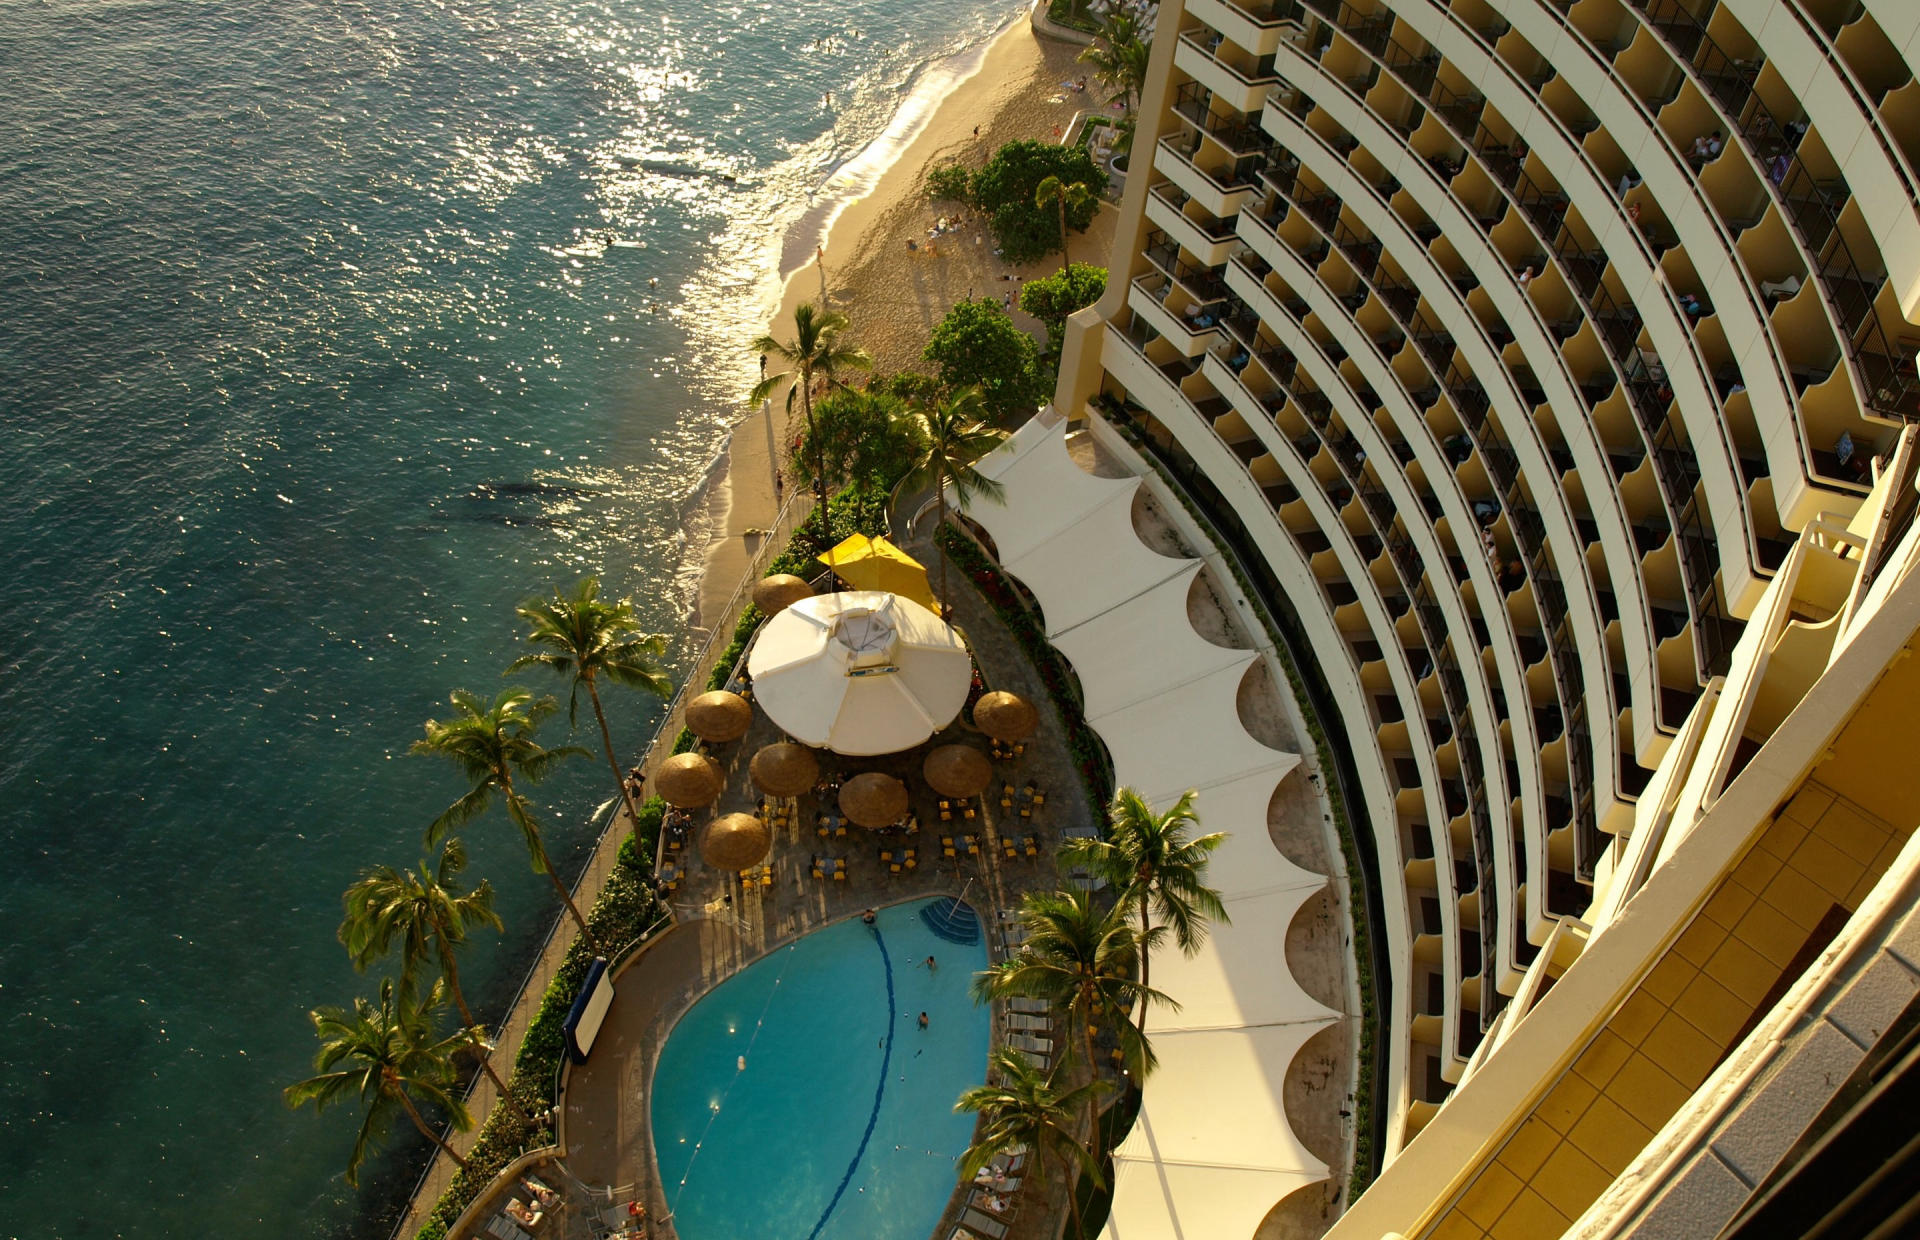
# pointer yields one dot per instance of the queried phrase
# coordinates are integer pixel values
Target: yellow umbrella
(876, 564)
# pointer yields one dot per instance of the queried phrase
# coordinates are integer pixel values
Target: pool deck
(721, 927)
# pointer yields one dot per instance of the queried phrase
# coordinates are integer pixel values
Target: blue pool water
(800, 1100)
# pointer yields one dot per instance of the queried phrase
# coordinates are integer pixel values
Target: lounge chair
(1028, 1042)
(1022, 1020)
(506, 1229)
(1035, 1006)
(984, 1224)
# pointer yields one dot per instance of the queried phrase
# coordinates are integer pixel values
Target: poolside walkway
(722, 926)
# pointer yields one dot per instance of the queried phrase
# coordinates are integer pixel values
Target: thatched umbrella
(689, 780)
(779, 592)
(957, 771)
(719, 716)
(1005, 716)
(735, 842)
(785, 769)
(873, 799)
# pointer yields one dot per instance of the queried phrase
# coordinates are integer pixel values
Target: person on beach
(779, 486)
(976, 131)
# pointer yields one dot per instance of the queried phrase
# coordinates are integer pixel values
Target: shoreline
(1003, 89)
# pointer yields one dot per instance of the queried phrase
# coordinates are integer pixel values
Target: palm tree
(816, 349)
(1081, 959)
(1148, 858)
(585, 636)
(1062, 194)
(953, 437)
(491, 743)
(386, 1056)
(427, 915)
(1025, 1111)
(1119, 59)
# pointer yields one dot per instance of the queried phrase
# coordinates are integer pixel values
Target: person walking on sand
(779, 487)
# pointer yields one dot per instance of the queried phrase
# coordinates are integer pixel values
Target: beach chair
(946, 844)
(1006, 796)
(972, 845)
(1032, 845)
(1028, 1021)
(766, 876)
(984, 1224)
(1031, 1043)
(946, 810)
(912, 858)
(1036, 1007)
(1010, 848)
(967, 811)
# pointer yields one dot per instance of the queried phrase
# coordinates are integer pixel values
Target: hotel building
(1544, 371)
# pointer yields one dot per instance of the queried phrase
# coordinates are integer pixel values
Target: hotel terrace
(1540, 374)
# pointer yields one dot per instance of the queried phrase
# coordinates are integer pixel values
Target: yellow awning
(876, 564)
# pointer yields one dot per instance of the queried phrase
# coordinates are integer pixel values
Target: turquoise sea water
(810, 1069)
(327, 331)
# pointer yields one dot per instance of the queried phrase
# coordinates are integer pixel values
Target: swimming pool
(800, 1099)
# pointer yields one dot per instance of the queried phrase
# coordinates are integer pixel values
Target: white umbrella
(860, 672)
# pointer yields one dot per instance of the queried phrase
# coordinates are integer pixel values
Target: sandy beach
(892, 296)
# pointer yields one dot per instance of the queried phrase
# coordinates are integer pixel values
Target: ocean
(328, 331)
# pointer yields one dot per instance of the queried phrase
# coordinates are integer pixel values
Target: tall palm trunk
(532, 830)
(419, 1121)
(1146, 959)
(1062, 201)
(450, 967)
(1073, 1196)
(613, 764)
(940, 508)
(819, 457)
(1093, 1075)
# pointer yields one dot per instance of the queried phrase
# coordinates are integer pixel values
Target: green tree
(491, 743)
(816, 349)
(1062, 194)
(1006, 188)
(586, 637)
(977, 345)
(427, 916)
(866, 442)
(1082, 959)
(1052, 299)
(1025, 1111)
(387, 1057)
(1119, 59)
(1149, 860)
(949, 183)
(953, 438)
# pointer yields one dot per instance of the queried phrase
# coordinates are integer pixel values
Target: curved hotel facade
(1545, 369)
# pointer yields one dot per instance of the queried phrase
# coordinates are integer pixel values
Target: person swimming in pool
(869, 917)
(923, 1020)
(931, 966)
